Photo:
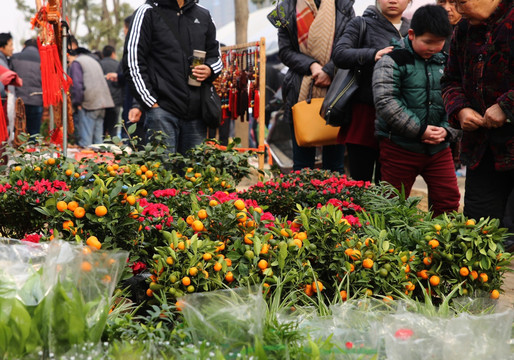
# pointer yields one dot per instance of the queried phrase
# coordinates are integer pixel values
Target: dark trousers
(490, 193)
(180, 135)
(111, 119)
(401, 167)
(363, 162)
(305, 157)
(224, 132)
(33, 114)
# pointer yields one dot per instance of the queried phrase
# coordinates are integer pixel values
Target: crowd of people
(100, 96)
(432, 89)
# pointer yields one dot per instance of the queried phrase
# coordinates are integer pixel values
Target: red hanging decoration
(53, 78)
(3, 124)
(256, 104)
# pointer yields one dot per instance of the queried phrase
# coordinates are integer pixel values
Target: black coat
(27, 65)
(156, 66)
(110, 65)
(379, 33)
(284, 18)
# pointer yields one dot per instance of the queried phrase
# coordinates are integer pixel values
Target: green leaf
(132, 128)
(469, 254)
(19, 324)
(492, 245)
(485, 263)
(385, 245)
(282, 254)
(117, 189)
(315, 354)
(257, 245)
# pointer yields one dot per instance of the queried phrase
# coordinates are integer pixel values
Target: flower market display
(145, 254)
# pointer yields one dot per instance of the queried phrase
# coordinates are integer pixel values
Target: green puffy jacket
(407, 96)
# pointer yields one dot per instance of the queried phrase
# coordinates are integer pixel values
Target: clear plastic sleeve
(54, 295)
(234, 317)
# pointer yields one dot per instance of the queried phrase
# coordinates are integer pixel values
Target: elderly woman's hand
(494, 117)
(470, 120)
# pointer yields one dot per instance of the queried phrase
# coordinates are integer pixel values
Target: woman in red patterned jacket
(478, 92)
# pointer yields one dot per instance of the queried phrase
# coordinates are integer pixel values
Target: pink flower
(267, 217)
(165, 193)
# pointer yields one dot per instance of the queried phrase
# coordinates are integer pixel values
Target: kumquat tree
(170, 251)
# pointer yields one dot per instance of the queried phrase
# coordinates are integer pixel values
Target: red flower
(137, 267)
(33, 238)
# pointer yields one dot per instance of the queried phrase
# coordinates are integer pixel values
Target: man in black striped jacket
(157, 63)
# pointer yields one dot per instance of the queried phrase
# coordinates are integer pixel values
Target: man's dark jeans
(181, 135)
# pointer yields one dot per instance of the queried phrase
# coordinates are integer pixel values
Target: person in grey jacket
(27, 64)
(90, 97)
(301, 64)
(384, 22)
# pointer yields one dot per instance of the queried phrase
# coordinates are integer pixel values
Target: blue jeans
(305, 157)
(33, 114)
(89, 125)
(181, 135)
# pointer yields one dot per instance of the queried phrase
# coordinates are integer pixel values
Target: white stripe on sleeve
(132, 57)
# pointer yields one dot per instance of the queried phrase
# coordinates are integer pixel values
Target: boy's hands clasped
(434, 135)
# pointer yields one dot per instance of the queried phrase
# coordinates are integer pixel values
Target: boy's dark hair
(107, 51)
(4, 38)
(431, 19)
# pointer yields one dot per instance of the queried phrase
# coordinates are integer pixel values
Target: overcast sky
(12, 20)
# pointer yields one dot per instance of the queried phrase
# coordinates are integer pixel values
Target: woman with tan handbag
(384, 22)
(307, 31)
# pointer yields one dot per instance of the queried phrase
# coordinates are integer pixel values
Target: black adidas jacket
(153, 60)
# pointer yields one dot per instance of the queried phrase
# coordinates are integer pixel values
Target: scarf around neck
(316, 28)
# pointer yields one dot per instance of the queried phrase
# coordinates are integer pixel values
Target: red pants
(401, 167)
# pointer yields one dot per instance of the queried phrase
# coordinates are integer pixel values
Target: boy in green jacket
(411, 120)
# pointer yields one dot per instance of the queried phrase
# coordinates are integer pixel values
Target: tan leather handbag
(309, 127)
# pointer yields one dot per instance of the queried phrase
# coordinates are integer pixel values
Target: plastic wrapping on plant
(234, 317)
(417, 336)
(54, 295)
(360, 322)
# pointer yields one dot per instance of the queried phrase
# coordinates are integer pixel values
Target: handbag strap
(362, 31)
(309, 94)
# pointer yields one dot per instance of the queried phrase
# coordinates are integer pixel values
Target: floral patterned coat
(479, 74)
